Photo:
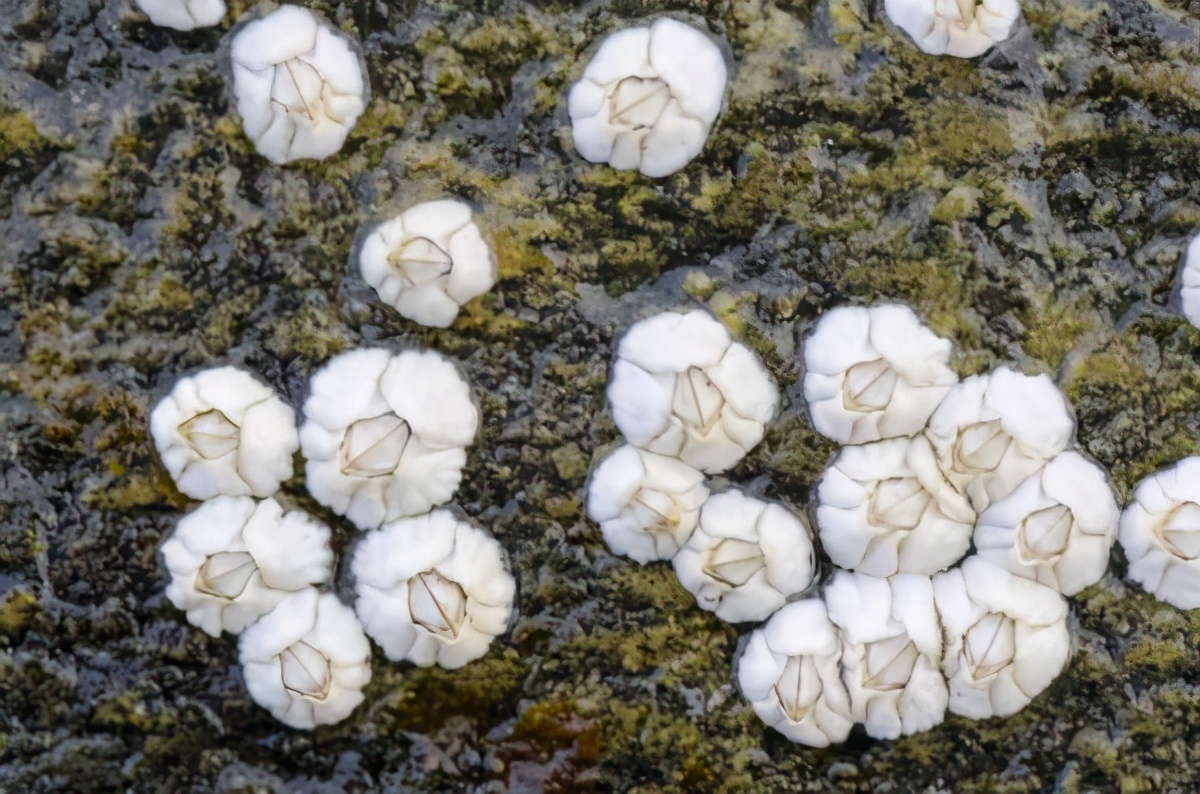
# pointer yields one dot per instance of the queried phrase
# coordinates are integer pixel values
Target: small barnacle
(222, 432)
(1057, 527)
(233, 559)
(681, 387)
(874, 373)
(647, 505)
(962, 28)
(183, 14)
(433, 589)
(891, 651)
(385, 435)
(648, 98)
(877, 516)
(1006, 638)
(1160, 533)
(990, 433)
(299, 85)
(428, 261)
(746, 557)
(790, 673)
(307, 660)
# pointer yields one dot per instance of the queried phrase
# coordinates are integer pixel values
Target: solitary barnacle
(874, 373)
(433, 589)
(1189, 282)
(306, 661)
(299, 85)
(990, 433)
(1006, 638)
(1057, 527)
(681, 387)
(428, 261)
(222, 432)
(648, 98)
(746, 558)
(875, 515)
(962, 28)
(891, 651)
(790, 673)
(233, 559)
(385, 435)
(1160, 533)
(646, 504)
(183, 14)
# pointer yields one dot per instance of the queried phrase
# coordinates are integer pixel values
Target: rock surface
(1031, 205)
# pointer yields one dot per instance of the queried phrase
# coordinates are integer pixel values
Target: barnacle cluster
(907, 629)
(385, 437)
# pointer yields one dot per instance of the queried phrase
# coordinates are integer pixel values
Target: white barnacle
(874, 373)
(990, 433)
(183, 14)
(1057, 527)
(648, 98)
(222, 432)
(962, 28)
(299, 85)
(1189, 282)
(1160, 533)
(307, 660)
(386, 435)
(233, 559)
(877, 516)
(789, 671)
(647, 505)
(428, 261)
(891, 651)
(1006, 638)
(746, 557)
(433, 589)
(680, 386)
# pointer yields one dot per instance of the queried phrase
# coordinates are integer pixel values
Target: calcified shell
(680, 386)
(962, 28)
(647, 505)
(746, 558)
(223, 432)
(790, 673)
(233, 559)
(386, 435)
(433, 589)
(874, 373)
(306, 661)
(648, 98)
(1160, 533)
(428, 261)
(298, 83)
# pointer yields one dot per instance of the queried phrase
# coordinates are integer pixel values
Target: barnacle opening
(868, 386)
(226, 574)
(899, 503)
(733, 562)
(420, 261)
(1044, 534)
(990, 645)
(211, 434)
(1180, 531)
(889, 663)
(306, 671)
(980, 447)
(798, 688)
(639, 102)
(437, 604)
(374, 447)
(697, 402)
